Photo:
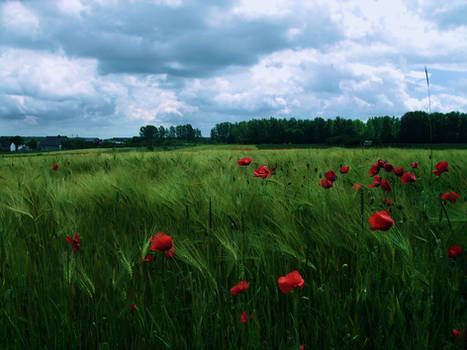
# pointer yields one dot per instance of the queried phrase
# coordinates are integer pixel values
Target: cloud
(105, 68)
(18, 18)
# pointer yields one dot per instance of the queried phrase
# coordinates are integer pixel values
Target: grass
(363, 289)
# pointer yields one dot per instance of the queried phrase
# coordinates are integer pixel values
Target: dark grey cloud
(106, 67)
(446, 15)
(146, 37)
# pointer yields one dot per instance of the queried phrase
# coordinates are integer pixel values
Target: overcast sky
(105, 68)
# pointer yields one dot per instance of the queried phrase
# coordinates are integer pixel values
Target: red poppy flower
(148, 258)
(388, 167)
(454, 251)
(161, 241)
(133, 307)
(456, 333)
(450, 196)
(301, 347)
(170, 254)
(244, 161)
(408, 177)
(376, 182)
(74, 242)
(381, 163)
(414, 165)
(291, 281)
(386, 186)
(263, 172)
(387, 202)
(399, 171)
(331, 175)
(325, 183)
(241, 287)
(55, 167)
(381, 221)
(357, 187)
(441, 167)
(374, 170)
(344, 169)
(244, 317)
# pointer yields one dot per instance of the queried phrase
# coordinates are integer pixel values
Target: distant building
(52, 143)
(12, 147)
(367, 143)
(91, 139)
(118, 140)
(23, 148)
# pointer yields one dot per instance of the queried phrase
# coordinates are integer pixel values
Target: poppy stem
(443, 207)
(440, 214)
(210, 214)
(187, 212)
(296, 322)
(244, 249)
(362, 209)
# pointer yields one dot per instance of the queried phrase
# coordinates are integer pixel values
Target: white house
(23, 148)
(12, 147)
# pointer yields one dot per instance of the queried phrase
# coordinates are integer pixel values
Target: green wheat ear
(68, 263)
(85, 283)
(400, 280)
(126, 263)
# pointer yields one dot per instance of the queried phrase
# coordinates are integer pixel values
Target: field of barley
(82, 265)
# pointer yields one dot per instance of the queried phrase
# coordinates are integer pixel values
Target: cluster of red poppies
(286, 284)
(380, 221)
(406, 177)
(330, 177)
(263, 171)
(450, 196)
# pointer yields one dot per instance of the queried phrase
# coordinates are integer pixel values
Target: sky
(105, 68)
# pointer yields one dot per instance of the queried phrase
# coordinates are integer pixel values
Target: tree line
(412, 127)
(180, 132)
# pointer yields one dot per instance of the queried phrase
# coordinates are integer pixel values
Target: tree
(172, 132)
(17, 140)
(148, 132)
(32, 144)
(163, 132)
(189, 132)
(415, 127)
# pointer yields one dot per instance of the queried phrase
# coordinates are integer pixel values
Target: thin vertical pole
(430, 117)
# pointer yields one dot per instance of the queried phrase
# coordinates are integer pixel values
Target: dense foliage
(180, 132)
(212, 250)
(412, 127)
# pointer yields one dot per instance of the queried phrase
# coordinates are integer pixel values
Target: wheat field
(364, 289)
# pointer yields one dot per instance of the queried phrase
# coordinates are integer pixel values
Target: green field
(394, 289)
